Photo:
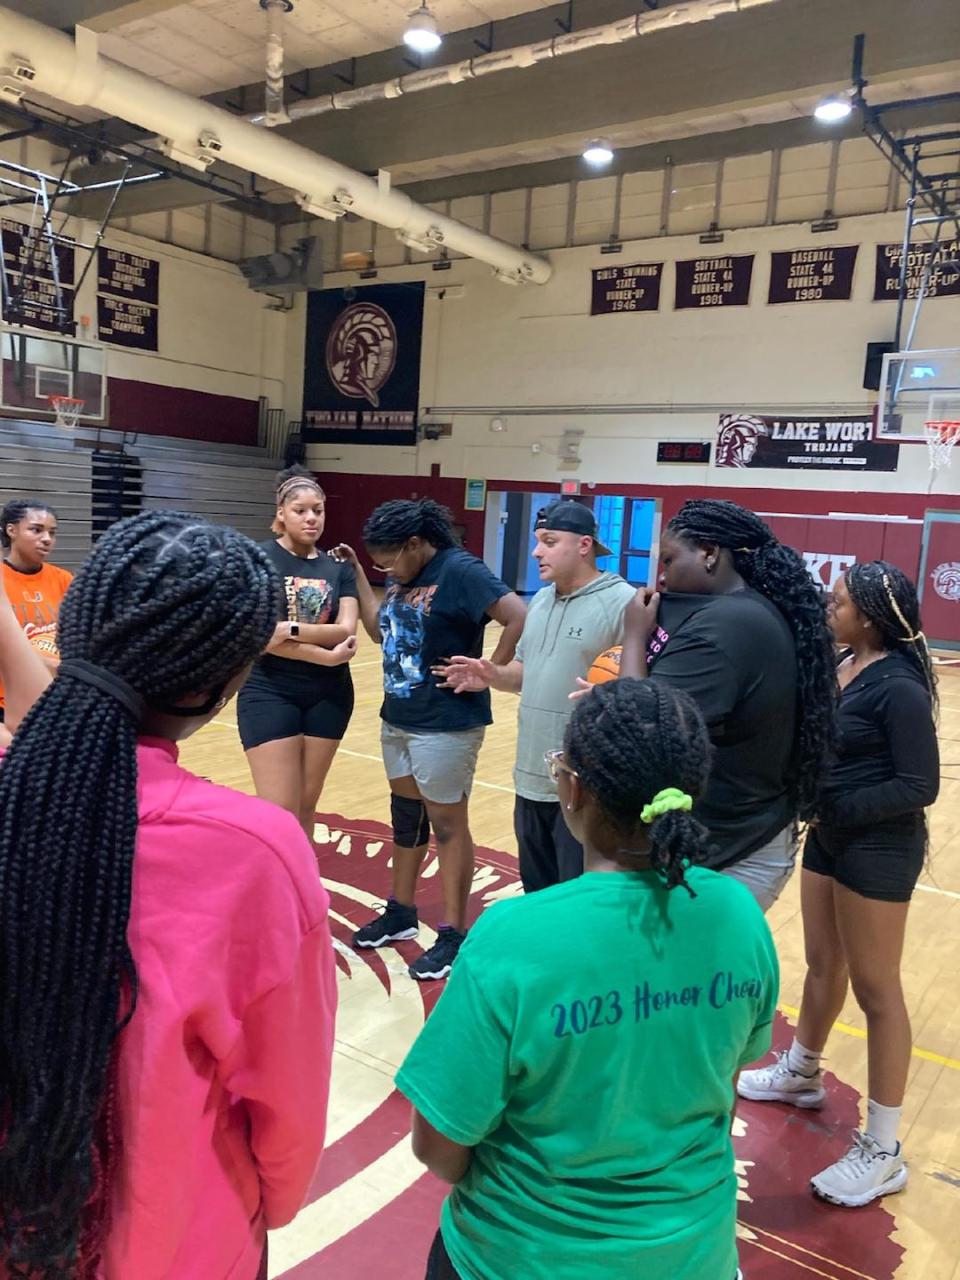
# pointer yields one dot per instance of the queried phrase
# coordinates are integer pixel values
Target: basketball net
(941, 437)
(68, 410)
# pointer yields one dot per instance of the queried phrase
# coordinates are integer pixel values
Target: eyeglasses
(388, 568)
(556, 765)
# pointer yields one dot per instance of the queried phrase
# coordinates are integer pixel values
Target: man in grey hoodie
(570, 622)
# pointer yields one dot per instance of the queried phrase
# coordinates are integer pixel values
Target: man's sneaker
(396, 924)
(863, 1174)
(438, 961)
(777, 1083)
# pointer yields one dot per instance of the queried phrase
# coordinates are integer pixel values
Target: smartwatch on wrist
(294, 630)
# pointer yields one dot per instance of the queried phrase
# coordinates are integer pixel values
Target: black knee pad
(411, 826)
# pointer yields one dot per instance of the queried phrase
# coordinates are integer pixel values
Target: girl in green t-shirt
(576, 1081)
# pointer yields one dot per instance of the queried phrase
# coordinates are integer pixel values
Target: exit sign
(570, 488)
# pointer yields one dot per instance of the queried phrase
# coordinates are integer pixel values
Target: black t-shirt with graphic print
(312, 591)
(440, 614)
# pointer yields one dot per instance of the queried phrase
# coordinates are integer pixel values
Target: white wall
(535, 357)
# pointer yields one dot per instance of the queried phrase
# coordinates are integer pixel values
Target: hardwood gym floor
(373, 1211)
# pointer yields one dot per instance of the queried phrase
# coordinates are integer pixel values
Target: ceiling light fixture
(833, 109)
(422, 34)
(598, 153)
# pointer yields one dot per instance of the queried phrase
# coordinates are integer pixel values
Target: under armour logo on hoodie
(575, 633)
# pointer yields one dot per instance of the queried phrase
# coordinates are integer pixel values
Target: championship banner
(128, 275)
(812, 275)
(33, 266)
(29, 249)
(617, 289)
(128, 324)
(943, 281)
(714, 282)
(802, 444)
(362, 364)
(32, 302)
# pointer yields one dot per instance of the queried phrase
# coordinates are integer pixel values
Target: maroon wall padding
(154, 410)
(351, 498)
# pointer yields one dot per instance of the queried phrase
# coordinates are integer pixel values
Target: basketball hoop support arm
(200, 133)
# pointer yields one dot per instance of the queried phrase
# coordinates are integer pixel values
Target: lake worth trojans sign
(802, 444)
(362, 364)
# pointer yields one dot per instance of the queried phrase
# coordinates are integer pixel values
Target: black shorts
(268, 709)
(439, 1266)
(882, 862)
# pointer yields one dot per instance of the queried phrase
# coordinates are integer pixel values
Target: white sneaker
(777, 1083)
(863, 1174)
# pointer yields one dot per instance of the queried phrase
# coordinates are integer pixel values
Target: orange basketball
(606, 667)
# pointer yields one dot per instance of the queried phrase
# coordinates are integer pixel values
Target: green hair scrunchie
(664, 802)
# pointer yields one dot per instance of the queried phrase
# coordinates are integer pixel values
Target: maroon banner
(802, 444)
(128, 275)
(634, 288)
(128, 324)
(812, 275)
(29, 249)
(714, 282)
(944, 280)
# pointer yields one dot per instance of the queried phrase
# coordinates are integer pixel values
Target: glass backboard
(37, 366)
(918, 387)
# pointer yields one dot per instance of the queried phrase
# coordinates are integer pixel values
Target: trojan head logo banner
(946, 580)
(362, 364)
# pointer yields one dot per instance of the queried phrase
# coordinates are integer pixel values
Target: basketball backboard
(918, 387)
(37, 366)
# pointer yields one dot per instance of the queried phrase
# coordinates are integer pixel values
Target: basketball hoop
(941, 436)
(68, 410)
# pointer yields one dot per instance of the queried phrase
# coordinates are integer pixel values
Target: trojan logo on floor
(373, 1210)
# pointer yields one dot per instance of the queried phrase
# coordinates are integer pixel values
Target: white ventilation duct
(38, 59)
(645, 23)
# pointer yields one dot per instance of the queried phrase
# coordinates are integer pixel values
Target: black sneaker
(438, 961)
(396, 924)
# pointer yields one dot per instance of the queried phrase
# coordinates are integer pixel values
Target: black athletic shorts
(269, 709)
(882, 862)
(439, 1266)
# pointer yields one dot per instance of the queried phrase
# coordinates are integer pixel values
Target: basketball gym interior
(492, 252)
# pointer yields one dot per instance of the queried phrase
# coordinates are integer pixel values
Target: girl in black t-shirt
(860, 863)
(437, 601)
(742, 628)
(294, 709)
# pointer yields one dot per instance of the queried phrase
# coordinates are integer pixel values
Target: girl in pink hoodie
(167, 990)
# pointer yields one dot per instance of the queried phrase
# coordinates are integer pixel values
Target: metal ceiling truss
(930, 165)
(44, 240)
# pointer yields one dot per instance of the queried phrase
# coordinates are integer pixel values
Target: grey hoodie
(561, 638)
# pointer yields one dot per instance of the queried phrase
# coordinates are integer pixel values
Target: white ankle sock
(882, 1125)
(802, 1060)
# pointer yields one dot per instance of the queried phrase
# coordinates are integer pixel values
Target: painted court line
(362, 755)
(925, 1054)
(944, 893)
(798, 1248)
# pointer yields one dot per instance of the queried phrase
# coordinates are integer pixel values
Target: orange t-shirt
(35, 599)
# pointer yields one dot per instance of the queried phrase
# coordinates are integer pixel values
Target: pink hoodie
(224, 1070)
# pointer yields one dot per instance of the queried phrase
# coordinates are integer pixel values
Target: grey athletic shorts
(766, 871)
(441, 764)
